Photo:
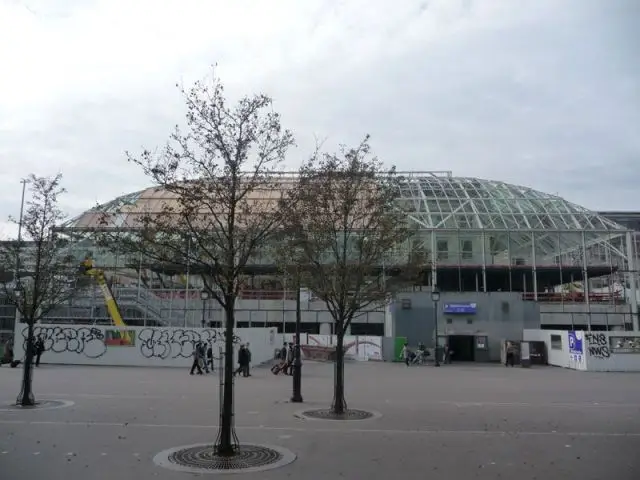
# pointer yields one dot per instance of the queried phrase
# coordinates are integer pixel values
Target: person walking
(290, 356)
(241, 361)
(247, 366)
(406, 354)
(202, 347)
(196, 360)
(210, 356)
(510, 355)
(39, 349)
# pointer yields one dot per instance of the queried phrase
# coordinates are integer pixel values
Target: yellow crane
(87, 268)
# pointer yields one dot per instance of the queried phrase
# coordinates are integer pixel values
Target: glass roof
(447, 202)
(435, 200)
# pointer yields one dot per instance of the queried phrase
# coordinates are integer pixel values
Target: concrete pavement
(457, 421)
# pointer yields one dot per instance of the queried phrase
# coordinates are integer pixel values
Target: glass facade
(472, 235)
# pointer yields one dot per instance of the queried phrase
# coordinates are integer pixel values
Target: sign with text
(575, 342)
(460, 308)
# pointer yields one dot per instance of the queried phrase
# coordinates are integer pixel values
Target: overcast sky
(543, 93)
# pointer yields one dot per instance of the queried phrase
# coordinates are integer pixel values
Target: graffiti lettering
(85, 340)
(597, 343)
(176, 343)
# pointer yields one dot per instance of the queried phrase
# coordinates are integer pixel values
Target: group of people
(419, 357)
(244, 361)
(203, 359)
(8, 357)
(284, 357)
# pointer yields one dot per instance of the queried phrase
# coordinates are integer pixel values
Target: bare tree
(222, 190)
(352, 238)
(44, 269)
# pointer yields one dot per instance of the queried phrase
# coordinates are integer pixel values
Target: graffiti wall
(137, 346)
(361, 348)
(591, 351)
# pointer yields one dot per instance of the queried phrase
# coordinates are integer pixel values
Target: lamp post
(435, 297)
(297, 360)
(204, 296)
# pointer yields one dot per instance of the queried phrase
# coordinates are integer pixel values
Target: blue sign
(468, 308)
(575, 342)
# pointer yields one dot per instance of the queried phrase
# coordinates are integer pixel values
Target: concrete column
(534, 261)
(389, 329)
(484, 262)
(585, 279)
(434, 259)
(633, 285)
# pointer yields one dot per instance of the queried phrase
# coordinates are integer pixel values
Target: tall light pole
(297, 360)
(204, 296)
(435, 297)
(24, 182)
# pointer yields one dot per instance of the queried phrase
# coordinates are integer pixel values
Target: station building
(504, 257)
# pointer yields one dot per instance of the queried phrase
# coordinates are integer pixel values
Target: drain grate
(204, 459)
(40, 405)
(327, 414)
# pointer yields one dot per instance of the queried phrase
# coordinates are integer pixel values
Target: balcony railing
(575, 297)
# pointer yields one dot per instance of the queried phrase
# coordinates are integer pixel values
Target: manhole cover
(327, 414)
(203, 459)
(40, 405)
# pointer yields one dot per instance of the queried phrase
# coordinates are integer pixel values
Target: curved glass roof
(437, 201)
(447, 202)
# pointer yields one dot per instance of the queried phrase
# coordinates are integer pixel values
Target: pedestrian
(39, 349)
(210, 356)
(203, 356)
(247, 365)
(196, 360)
(290, 356)
(241, 361)
(406, 354)
(510, 355)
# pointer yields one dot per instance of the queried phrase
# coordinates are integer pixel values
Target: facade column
(509, 259)
(484, 261)
(633, 285)
(585, 279)
(434, 259)
(534, 270)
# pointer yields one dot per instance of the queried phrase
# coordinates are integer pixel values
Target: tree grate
(327, 414)
(39, 405)
(246, 458)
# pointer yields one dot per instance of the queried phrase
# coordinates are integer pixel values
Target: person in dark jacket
(39, 349)
(242, 360)
(196, 359)
(210, 357)
(247, 365)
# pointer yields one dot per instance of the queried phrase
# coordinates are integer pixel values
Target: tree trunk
(26, 397)
(339, 406)
(226, 443)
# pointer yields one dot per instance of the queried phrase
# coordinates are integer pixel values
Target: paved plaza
(458, 421)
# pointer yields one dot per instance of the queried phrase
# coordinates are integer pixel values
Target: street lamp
(17, 293)
(435, 297)
(204, 296)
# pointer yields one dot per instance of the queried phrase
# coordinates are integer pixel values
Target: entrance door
(463, 348)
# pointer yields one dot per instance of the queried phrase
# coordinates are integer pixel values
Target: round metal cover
(40, 405)
(202, 458)
(327, 414)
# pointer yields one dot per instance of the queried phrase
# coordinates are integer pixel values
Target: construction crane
(87, 268)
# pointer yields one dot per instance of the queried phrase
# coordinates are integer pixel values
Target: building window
(443, 249)
(466, 247)
(627, 344)
(556, 342)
